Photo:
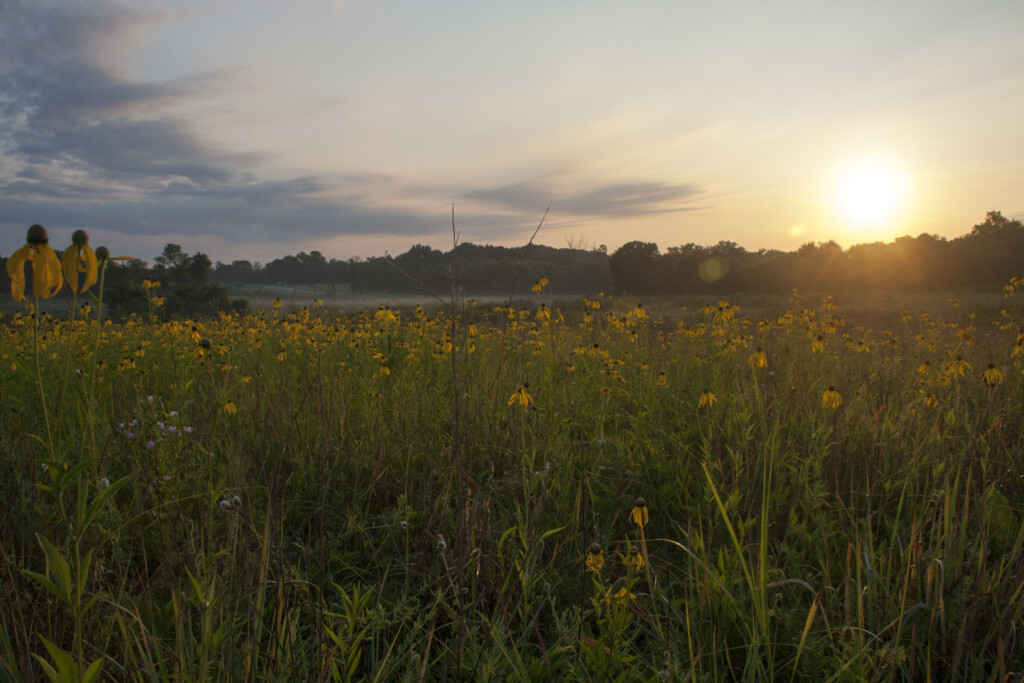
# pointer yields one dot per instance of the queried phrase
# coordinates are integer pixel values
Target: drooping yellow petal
(79, 259)
(69, 261)
(90, 267)
(46, 272)
(16, 271)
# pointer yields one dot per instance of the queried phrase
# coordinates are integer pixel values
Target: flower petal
(69, 261)
(91, 270)
(46, 275)
(16, 271)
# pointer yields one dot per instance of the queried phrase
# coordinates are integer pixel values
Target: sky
(253, 129)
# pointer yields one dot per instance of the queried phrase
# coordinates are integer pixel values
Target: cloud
(617, 200)
(66, 105)
(85, 145)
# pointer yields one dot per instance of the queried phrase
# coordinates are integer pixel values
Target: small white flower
(104, 483)
(441, 545)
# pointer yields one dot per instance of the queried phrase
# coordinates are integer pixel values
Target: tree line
(987, 256)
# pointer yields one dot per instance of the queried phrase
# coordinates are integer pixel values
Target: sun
(869, 192)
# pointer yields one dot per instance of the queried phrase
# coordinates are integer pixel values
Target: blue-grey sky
(257, 128)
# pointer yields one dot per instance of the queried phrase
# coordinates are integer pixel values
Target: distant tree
(198, 270)
(633, 267)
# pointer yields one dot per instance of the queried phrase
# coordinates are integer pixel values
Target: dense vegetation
(594, 491)
(192, 285)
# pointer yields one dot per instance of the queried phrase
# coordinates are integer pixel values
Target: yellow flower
(46, 275)
(757, 359)
(79, 258)
(634, 560)
(638, 515)
(706, 399)
(384, 314)
(818, 344)
(228, 408)
(662, 379)
(831, 398)
(992, 376)
(958, 366)
(925, 368)
(595, 558)
(522, 396)
(619, 592)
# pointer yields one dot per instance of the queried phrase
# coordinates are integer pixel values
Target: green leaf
(93, 672)
(66, 671)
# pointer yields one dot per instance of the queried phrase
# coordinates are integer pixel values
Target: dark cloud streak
(622, 200)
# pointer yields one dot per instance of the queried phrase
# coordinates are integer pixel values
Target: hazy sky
(254, 129)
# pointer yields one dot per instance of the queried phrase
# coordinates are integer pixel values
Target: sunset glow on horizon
(254, 130)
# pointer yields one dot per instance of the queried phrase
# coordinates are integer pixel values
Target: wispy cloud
(88, 146)
(617, 200)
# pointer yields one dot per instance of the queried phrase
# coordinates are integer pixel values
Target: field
(588, 489)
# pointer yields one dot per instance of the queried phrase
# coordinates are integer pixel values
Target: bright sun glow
(869, 192)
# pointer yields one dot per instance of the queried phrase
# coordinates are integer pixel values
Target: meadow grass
(311, 494)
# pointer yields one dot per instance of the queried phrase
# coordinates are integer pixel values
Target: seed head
(80, 238)
(37, 235)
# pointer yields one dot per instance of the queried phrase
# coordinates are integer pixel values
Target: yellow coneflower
(228, 408)
(662, 379)
(992, 376)
(818, 344)
(543, 313)
(831, 398)
(385, 314)
(757, 359)
(595, 558)
(46, 271)
(707, 398)
(638, 515)
(634, 560)
(929, 398)
(958, 366)
(79, 258)
(925, 368)
(522, 396)
(619, 592)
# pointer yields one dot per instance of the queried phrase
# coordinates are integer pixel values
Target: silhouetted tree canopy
(987, 256)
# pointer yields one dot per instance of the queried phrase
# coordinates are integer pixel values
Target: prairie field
(595, 488)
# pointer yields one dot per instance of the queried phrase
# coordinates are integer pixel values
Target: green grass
(305, 495)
